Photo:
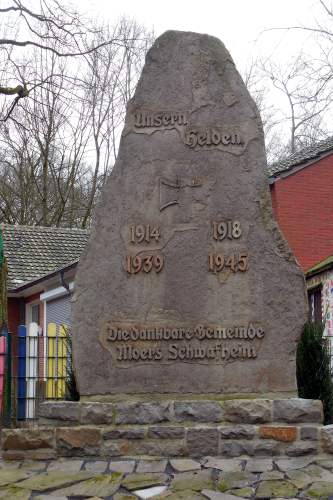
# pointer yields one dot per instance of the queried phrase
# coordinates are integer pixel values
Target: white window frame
(28, 311)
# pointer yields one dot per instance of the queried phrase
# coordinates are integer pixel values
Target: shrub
(313, 370)
(71, 393)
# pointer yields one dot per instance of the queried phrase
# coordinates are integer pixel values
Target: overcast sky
(250, 29)
(238, 23)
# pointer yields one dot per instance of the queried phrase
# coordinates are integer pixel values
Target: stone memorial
(187, 285)
(188, 302)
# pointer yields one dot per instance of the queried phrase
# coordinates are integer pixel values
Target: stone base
(231, 428)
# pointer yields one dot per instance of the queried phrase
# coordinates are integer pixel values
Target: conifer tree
(313, 372)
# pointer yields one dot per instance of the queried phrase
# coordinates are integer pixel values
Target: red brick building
(302, 197)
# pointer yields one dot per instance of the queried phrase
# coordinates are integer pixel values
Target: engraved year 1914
(144, 233)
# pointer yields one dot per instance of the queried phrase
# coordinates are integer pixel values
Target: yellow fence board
(57, 352)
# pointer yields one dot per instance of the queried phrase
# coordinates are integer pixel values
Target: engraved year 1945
(235, 262)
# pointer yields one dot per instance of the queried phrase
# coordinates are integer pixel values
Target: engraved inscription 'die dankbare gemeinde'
(190, 343)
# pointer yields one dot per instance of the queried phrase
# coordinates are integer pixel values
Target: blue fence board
(21, 373)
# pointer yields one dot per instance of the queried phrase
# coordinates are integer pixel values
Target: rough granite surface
(190, 172)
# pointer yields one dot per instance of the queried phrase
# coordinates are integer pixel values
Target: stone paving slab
(235, 480)
(184, 464)
(146, 479)
(327, 463)
(65, 465)
(14, 493)
(227, 465)
(37, 465)
(97, 466)
(155, 491)
(101, 486)
(180, 495)
(12, 476)
(246, 492)
(273, 474)
(211, 478)
(197, 481)
(126, 466)
(151, 466)
(259, 465)
(124, 496)
(50, 497)
(276, 488)
(293, 463)
(50, 480)
(4, 464)
(216, 495)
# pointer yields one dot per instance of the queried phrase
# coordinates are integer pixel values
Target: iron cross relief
(178, 192)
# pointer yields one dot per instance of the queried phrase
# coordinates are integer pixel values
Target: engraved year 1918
(226, 229)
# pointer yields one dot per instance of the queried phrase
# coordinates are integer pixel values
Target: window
(35, 313)
(315, 307)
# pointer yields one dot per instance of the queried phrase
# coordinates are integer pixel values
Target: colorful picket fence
(5, 376)
(2, 370)
(40, 368)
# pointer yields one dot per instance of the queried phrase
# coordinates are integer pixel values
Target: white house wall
(327, 304)
(58, 311)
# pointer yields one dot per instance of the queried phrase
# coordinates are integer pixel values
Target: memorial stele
(187, 285)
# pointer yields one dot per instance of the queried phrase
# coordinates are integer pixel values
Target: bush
(71, 393)
(313, 370)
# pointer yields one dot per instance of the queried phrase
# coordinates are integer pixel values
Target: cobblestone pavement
(212, 478)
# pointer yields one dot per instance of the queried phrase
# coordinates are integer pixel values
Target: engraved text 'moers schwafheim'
(131, 342)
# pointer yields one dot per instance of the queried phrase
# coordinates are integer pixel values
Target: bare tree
(305, 97)
(61, 143)
(41, 165)
(269, 111)
(109, 83)
(295, 95)
(56, 28)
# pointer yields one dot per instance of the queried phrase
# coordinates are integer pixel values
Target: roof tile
(34, 251)
(306, 154)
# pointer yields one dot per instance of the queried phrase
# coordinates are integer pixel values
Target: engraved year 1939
(146, 264)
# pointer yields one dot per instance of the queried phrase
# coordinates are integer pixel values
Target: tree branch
(16, 43)
(21, 90)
